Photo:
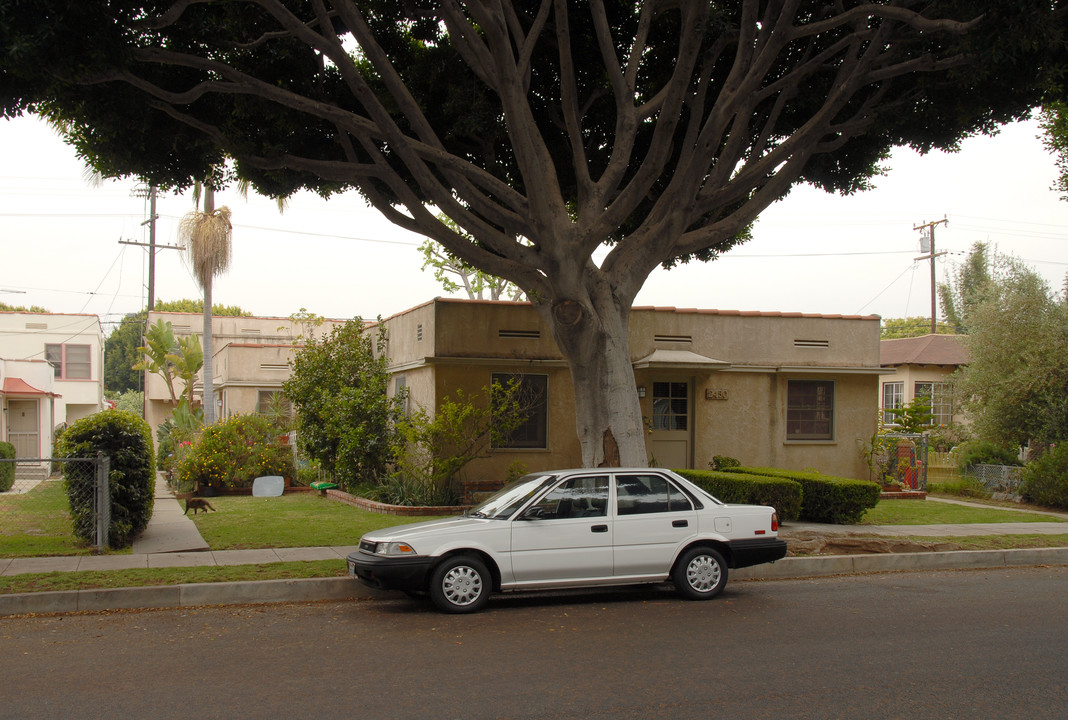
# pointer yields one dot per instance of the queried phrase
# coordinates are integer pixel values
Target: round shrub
(234, 452)
(984, 453)
(1045, 481)
(7, 469)
(127, 440)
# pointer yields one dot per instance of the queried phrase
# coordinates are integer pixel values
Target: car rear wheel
(460, 584)
(700, 574)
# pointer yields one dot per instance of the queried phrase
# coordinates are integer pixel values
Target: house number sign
(715, 394)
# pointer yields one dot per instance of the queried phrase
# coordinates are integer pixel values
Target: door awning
(18, 386)
(679, 360)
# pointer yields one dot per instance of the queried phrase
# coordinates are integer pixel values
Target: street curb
(344, 588)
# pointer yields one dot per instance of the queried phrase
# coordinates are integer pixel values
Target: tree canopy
(545, 130)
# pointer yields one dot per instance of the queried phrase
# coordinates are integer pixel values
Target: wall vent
(673, 338)
(519, 334)
(250, 331)
(274, 366)
(419, 332)
(812, 343)
(181, 328)
(36, 326)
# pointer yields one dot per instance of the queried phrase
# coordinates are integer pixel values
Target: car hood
(412, 532)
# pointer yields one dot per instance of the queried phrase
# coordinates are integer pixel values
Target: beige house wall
(736, 367)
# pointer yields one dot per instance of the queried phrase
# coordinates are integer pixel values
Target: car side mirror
(534, 513)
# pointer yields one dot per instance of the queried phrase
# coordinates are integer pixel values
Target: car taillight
(775, 522)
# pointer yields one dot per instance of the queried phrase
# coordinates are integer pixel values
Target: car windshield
(511, 497)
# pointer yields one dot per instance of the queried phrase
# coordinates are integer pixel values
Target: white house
(51, 373)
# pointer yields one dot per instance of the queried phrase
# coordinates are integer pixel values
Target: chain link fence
(39, 515)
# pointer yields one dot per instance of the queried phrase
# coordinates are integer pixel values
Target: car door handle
(599, 528)
(680, 523)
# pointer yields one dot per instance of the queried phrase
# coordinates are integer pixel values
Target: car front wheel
(460, 584)
(700, 574)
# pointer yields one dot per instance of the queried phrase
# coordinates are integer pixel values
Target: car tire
(700, 573)
(461, 584)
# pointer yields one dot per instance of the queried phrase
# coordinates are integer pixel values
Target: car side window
(643, 494)
(578, 497)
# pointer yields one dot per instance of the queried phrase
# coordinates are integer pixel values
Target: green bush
(127, 440)
(234, 452)
(1045, 480)
(722, 462)
(730, 487)
(980, 452)
(827, 499)
(7, 469)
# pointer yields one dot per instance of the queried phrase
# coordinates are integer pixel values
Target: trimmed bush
(984, 453)
(731, 487)
(7, 469)
(127, 440)
(827, 499)
(1045, 480)
(234, 452)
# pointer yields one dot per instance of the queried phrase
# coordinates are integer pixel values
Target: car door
(653, 517)
(566, 536)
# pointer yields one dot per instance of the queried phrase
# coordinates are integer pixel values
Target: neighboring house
(921, 367)
(51, 373)
(782, 389)
(251, 360)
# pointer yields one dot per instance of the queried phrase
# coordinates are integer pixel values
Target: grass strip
(921, 512)
(148, 577)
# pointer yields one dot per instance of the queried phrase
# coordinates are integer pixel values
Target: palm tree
(206, 239)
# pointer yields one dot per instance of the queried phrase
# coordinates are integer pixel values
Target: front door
(669, 439)
(22, 429)
(566, 536)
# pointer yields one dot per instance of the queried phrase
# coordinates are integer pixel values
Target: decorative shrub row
(826, 499)
(127, 440)
(7, 469)
(736, 487)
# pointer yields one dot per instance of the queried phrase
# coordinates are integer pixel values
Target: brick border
(403, 510)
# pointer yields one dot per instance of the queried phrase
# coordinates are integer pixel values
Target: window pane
(641, 494)
(533, 395)
(810, 410)
(577, 498)
(54, 356)
(77, 362)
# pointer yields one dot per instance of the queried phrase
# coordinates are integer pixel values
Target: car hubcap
(462, 585)
(703, 573)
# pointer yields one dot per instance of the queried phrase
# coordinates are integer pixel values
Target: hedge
(1045, 480)
(824, 498)
(127, 440)
(734, 487)
(7, 469)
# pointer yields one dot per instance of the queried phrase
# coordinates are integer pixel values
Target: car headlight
(394, 548)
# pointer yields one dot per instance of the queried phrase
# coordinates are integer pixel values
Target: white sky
(812, 252)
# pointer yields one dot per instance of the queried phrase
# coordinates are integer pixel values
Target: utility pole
(150, 192)
(928, 235)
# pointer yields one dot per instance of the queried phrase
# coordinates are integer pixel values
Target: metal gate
(25, 482)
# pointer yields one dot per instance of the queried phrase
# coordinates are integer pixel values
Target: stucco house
(51, 373)
(785, 389)
(921, 366)
(250, 361)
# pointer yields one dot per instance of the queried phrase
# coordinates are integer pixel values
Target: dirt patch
(805, 542)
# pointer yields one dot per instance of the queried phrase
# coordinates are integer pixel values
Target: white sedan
(573, 528)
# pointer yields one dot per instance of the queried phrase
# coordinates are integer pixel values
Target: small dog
(197, 504)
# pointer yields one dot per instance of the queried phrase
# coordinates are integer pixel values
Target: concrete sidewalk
(169, 529)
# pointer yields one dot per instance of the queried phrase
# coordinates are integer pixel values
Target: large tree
(544, 129)
(1015, 385)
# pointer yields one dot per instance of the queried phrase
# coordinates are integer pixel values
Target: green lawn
(296, 520)
(929, 512)
(38, 523)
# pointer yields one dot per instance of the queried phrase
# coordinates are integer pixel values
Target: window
(940, 395)
(400, 390)
(576, 498)
(533, 395)
(810, 410)
(72, 362)
(671, 402)
(641, 494)
(893, 398)
(273, 402)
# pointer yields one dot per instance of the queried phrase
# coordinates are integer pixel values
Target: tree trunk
(209, 376)
(593, 336)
